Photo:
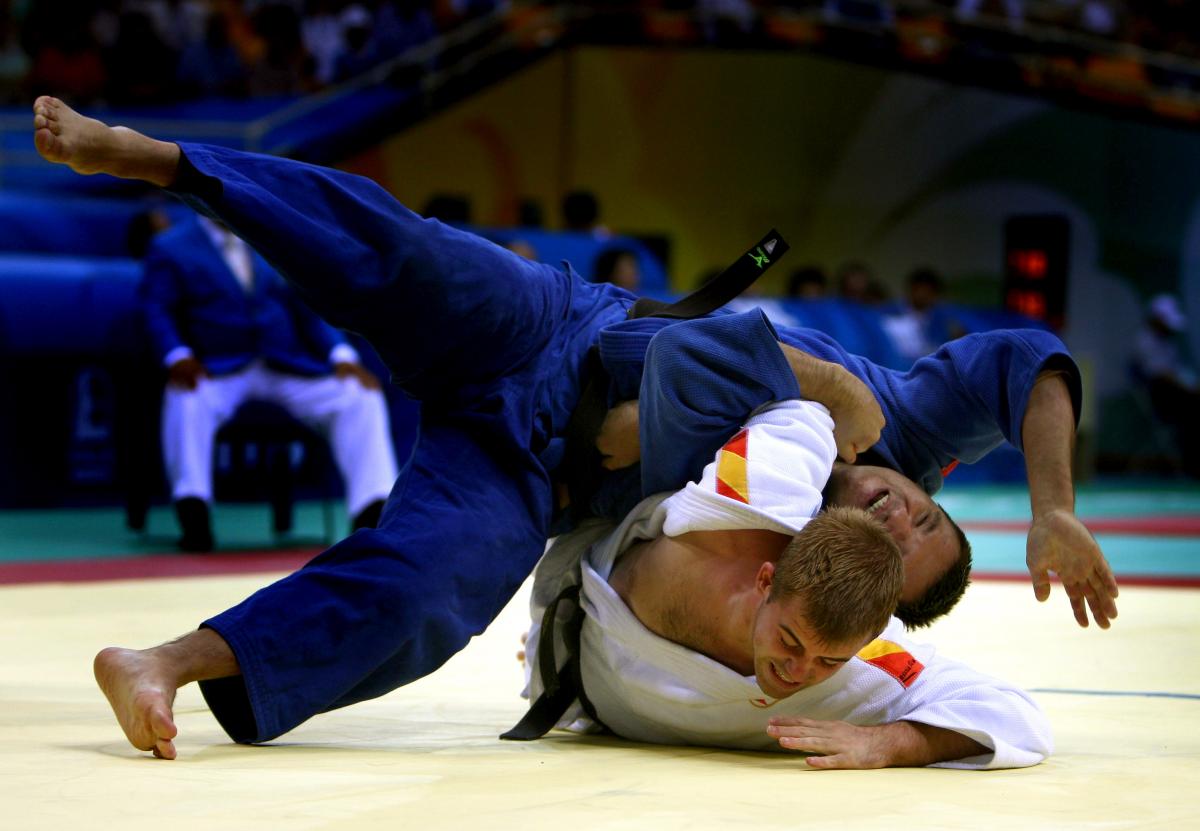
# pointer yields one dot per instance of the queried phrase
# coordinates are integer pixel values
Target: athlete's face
(927, 540)
(788, 654)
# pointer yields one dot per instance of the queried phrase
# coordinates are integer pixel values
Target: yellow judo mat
(1125, 705)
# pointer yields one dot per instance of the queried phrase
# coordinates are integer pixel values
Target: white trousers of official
(352, 419)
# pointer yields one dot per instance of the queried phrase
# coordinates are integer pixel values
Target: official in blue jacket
(229, 330)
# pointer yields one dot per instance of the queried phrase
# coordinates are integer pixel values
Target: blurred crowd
(154, 51)
(1158, 25)
(150, 51)
(915, 323)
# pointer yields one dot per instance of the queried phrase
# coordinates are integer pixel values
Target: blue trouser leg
(464, 527)
(495, 345)
(366, 263)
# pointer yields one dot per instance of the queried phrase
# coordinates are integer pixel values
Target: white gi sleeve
(769, 476)
(927, 688)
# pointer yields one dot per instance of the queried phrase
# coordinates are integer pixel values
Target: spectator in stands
(455, 11)
(401, 25)
(141, 66)
(1166, 26)
(920, 325)
(523, 248)
(878, 12)
(807, 283)
(14, 61)
(752, 298)
(243, 33)
(529, 213)
(212, 66)
(64, 56)
(228, 330)
(727, 21)
(359, 54)
(581, 212)
(1102, 17)
(324, 37)
(854, 280)
(1013, 10)
(451, 208)
(285, 67)
(183, 23)
(1172, 384)
(105, 24)
(618, 266)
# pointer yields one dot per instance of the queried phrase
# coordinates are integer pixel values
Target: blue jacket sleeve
(965, 399)
(702, 379)
(160, 293)
(317, 335)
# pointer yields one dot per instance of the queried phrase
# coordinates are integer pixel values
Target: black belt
(581, 469)
(560, 687)
(718, 291)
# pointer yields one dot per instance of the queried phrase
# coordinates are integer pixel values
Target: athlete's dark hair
(945, 592)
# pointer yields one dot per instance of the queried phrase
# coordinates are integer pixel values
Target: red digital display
(1036, 265)
(1028, 263)
(1028, 302)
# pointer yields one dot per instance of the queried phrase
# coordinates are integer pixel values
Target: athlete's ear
(766, 575)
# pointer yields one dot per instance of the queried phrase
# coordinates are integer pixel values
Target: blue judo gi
(494, 347)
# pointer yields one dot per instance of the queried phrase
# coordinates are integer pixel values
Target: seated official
(229, 330)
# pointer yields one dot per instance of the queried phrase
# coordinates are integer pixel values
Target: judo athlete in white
(684, 642)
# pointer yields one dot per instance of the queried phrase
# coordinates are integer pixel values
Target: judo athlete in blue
(495, 347)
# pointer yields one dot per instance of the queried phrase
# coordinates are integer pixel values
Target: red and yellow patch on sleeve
(893, 659)
(732, 480)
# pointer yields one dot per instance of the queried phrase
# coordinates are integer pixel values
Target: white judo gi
(647, 688)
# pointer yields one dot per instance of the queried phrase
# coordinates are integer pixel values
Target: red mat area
(257, 562)
(1122, 579)
(1147, 526)
(155, 565)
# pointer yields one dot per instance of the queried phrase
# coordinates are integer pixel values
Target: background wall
(711, 148)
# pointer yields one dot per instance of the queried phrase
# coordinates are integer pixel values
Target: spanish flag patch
(732, 480)
(893, 659)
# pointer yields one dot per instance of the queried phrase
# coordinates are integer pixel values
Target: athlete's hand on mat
(1059, 543)
(836, 744)
(618, 441)
(845, 746)
(186, 373)
(349, 369)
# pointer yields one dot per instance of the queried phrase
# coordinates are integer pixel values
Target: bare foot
(88, 146)
(140, 691)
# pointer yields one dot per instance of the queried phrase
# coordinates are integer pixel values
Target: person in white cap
(1172, 384)
(732, 614)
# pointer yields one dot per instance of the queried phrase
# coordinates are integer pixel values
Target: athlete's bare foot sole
(140, 692)
(88, 146)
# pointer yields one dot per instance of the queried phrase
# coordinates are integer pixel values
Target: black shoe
(193, 521)
(368, 517)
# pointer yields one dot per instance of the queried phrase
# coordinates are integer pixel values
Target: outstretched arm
(1058, 541)
(839, 745)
